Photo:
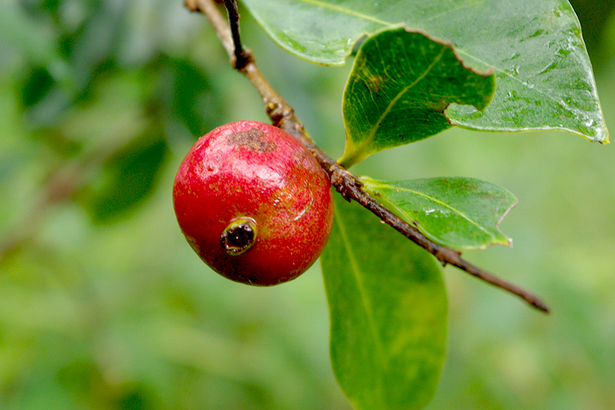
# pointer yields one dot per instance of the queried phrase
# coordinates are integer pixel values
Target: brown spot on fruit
(253, 139)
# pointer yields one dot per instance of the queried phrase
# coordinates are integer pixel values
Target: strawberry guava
(253, 203)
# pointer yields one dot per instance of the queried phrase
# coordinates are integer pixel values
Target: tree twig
(347, 184)
(241, 57)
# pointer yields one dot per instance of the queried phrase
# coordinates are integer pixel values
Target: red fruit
(253, 203)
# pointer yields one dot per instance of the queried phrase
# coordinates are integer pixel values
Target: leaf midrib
(347, 11)
(372, 134)
(437, 201)
(357, 274)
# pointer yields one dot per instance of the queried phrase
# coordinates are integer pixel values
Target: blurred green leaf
(93, 50)
(460, 213)
(594, 18)
(189, 86)
(126, 180)
(130, 177)
(544, 75)
(388, 311)
(37, 85)
(401, 83)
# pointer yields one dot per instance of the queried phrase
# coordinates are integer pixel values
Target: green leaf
(401, 83)
(129, 178)
(388, 309)
(191, 88)
(544, 75)
(38, 83)
(459, 213)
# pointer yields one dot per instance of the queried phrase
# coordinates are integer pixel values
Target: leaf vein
(344, 10)
(391, 105)
(445, 205)
(357, 274)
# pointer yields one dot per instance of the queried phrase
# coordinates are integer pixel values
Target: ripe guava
(253, 203)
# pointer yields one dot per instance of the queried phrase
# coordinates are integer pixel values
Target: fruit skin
(252, 171)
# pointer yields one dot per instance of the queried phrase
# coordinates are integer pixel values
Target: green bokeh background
(103, 305)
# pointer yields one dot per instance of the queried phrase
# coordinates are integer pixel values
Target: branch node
(192, 5)
(275, 111)
(346, 184)
(240, 60)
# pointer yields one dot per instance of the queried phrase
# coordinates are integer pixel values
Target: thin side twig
(241, 57)
(347, 184)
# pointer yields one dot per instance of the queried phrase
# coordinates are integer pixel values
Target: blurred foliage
(104, 306)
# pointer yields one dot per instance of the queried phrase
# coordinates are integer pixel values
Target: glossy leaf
(544, 76)
(401, 83)
(388, 309)
(460, 213)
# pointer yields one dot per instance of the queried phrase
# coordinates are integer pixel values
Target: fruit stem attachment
(239, 236)
(347, 184)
